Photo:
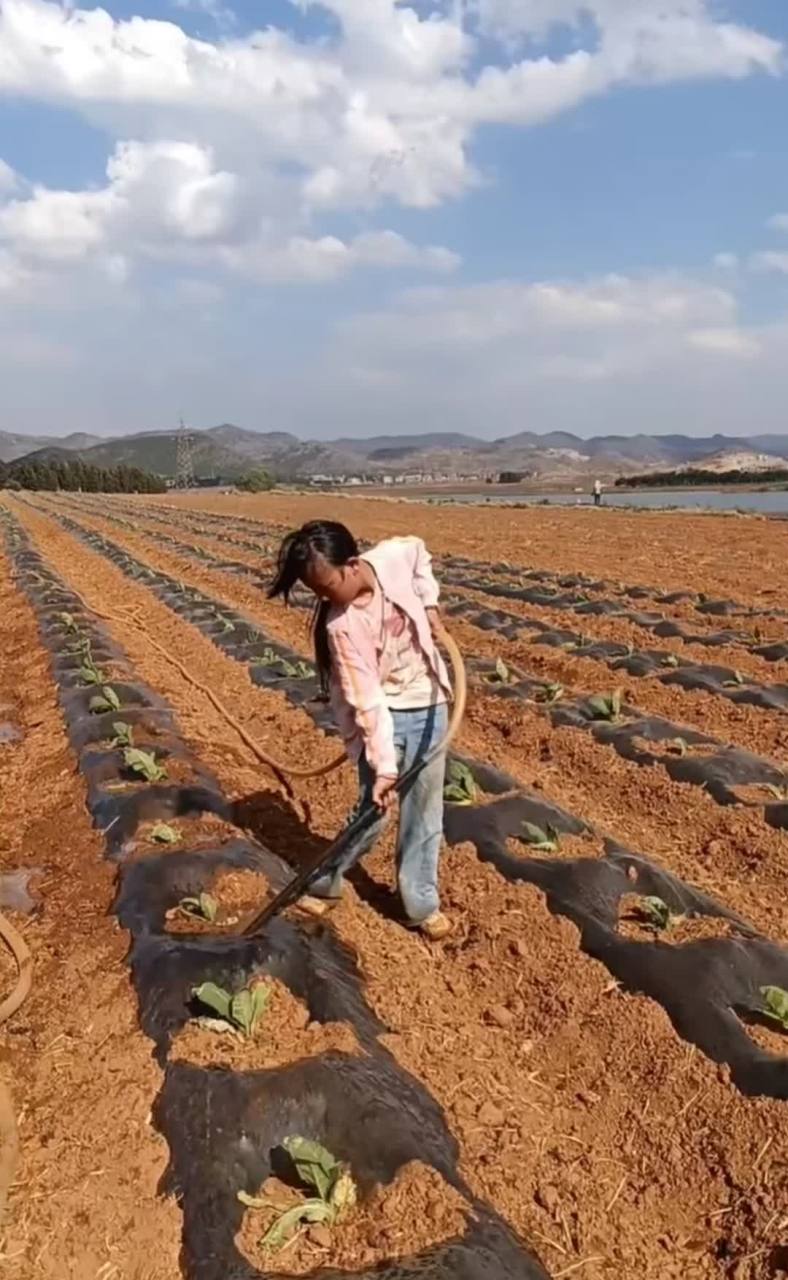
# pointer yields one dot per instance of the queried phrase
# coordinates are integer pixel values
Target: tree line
(77, 476)
(698, 476)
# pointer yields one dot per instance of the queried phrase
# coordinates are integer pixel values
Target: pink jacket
(403, 567)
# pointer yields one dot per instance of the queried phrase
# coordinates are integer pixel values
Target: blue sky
(360, 216)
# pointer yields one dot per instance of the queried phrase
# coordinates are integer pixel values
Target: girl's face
(337, 584)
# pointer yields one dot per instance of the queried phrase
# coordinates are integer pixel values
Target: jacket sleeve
(359, 688)
(425, 583)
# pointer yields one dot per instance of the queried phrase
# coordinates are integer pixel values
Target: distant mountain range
(227, 451)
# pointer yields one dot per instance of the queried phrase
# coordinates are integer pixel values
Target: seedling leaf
(124, 734)
(545, 840)
(144, 763)
(248, 1006)
(203, 906)
(89, 673)
(314, 1164)
(775, 1005)
(282, 1229)
(605, 706)
(669, 660)
(215, 998)
(107, 700)
(656, 912)
(552, 692)
(460, 787)
(162, 833)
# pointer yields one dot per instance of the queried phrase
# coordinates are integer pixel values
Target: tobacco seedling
(775, 1005)
(605, 706)
(317, 1168)
(544, 840)
(241, 1011)
(144, 763)
(550, 693)
(203, 906)
(501, 674)
(107, 700)
(655, 912)
(669, 660)
(678, 747)
(267, 658)
(162, 833)
(89, 673)
(227, 625)
(295, 670)
(460, 786)
(68, 622)
(124, 734)
(736, 680)
(778, 792)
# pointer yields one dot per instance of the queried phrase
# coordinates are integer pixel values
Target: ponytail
(332, 542)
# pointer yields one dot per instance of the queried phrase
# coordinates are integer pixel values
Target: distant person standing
(597, 493)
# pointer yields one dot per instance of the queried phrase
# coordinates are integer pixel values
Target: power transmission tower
(184, 461)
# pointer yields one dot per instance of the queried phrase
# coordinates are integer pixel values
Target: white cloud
(292, 129)
(167, 200)
(725, 342)
(770, 260)
(726, 261)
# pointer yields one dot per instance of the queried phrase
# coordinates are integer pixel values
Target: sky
(359, 217)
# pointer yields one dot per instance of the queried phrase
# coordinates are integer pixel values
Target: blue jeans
(420, 816)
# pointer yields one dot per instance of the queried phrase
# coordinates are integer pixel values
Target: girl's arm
(359, 684)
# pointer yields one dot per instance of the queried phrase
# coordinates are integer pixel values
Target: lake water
(773, 502)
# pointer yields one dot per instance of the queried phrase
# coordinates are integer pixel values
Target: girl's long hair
(336, 544)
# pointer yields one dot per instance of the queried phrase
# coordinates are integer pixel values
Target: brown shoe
(436, 927)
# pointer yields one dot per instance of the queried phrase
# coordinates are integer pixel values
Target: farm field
(565, 1087)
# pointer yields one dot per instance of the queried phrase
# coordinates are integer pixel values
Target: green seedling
(305, 672)
(162, 833)
(656, 912)
(294, 670)
(107, 700)
(777, 792)
(678, 747)
(124, 734)
(606, 706)
(775, 1005)
(89, 673)
(460, 786)
(669, 660)
(550, 693)
(79, 646)
(241, 1011)
(144, 763)
(317, 1168)
(736, 679)
(203, 906)
(501, 674)
(545, 841)
(67, 619)
(267, 658)
(227, 625)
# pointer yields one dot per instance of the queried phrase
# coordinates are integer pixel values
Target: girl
(374, 627)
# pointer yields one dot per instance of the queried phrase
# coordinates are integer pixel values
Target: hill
(226, 451)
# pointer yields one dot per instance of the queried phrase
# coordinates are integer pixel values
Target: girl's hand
(383, 792)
